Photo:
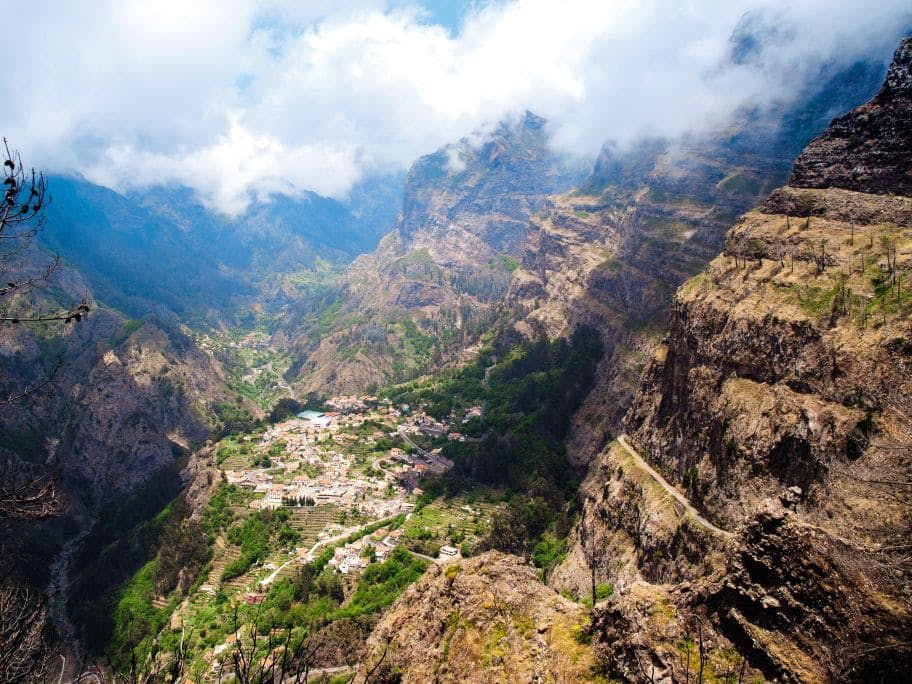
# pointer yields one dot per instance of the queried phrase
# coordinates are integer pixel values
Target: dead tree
(279, 656)
(595, 558)
(27, 493)
(25, 195)
(702, 653)
(22, 645)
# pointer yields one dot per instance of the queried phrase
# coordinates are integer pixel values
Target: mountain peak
(899, 76)
(868, 149)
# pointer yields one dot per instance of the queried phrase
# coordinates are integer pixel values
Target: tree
(594, 554)
(24, 199)
(27, 493)
(279, 656)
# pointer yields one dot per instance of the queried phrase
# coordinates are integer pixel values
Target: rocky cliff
(485, 619)
(869, 148)
(433, 285)
(777, 408)
(124, 398)
(611, 254)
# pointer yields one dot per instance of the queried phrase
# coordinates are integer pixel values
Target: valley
(511, 416)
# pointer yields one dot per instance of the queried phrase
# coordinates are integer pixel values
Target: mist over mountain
(161, 251)
(387, 342)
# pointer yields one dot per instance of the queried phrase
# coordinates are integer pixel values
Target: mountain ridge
(778, 404)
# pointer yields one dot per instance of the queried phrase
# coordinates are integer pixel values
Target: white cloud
(269, 97)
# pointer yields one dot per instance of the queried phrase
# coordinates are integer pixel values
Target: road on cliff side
(680, 498)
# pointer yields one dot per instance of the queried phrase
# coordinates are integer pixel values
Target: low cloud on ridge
(269, 98)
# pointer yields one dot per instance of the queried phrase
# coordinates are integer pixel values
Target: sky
(246, 98)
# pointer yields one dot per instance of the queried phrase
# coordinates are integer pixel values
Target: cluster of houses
(357, 555)
(305, 471)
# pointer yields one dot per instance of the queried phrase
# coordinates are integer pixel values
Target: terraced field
(224, 554)
(310, 521)
(471, 520)
(236, 462)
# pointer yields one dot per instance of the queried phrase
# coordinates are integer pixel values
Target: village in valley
(344, 483)
(312, 459)
(362, 459)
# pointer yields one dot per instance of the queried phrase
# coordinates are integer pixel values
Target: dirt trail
(680, 498)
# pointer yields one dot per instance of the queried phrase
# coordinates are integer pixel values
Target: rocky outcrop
(145, 402)
(780, 359)
(868, 149)
(434, 284)
(124, 397)
(633, 532)
(811, 605)
(484, 619)
(611, 254)
(777, 403)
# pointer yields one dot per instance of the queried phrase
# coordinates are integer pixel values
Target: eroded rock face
(445, 268)
(141, 405)
(485, 619)
(125, 399)
(611, 254)
(779, 404)
(869, 148)
(811, 605)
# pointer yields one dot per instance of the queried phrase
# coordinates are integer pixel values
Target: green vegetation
(218, 514)
(511, 488)
(603, 590)
(549, 553)
(316, 283)
(234, 451)
(234, 418)
(880, 295)
(130, 326)
(461, 520)
(742, 184)
(183, 551)
(326, 320)
(315, 599)
(254, 535)
(421, 344)
(125, 538)
(419, 265)
(381, 583)
(529, 397)
(509, 263)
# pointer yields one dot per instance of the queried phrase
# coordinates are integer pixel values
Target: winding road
(680, 498)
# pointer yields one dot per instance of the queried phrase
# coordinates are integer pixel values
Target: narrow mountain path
(680, 498)
(316, 674)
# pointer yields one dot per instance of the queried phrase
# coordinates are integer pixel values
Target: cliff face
(869, 148)
(433, 284)
(611, 254)
(778, 405)
(143, 403)
(782, 361)
(485, 619)
(127, 397)
(482, 228)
